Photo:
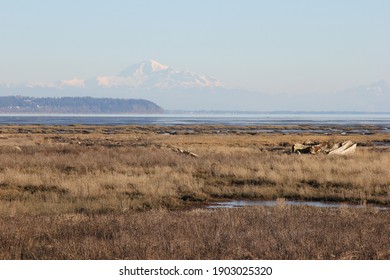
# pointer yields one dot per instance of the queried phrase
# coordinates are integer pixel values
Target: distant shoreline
(76, 105)
(218, 112)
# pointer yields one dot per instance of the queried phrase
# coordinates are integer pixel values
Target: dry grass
(135, 169)
(75, 192)
(253, 233)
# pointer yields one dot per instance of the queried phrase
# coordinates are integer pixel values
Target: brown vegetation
(86, 182)
(252, 233)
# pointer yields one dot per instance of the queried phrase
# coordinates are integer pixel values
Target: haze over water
(380, 119)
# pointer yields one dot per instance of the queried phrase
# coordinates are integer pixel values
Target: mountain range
(146, 75)
(186, 90)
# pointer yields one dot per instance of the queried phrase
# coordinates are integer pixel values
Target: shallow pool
(273, 203)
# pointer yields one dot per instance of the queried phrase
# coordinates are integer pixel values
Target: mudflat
(139, 192)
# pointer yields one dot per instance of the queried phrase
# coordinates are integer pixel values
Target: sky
(274, 46)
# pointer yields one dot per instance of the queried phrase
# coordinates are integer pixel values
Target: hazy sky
(272, 46)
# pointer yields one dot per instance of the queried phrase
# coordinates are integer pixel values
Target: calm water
(382, 120)
(273, 203)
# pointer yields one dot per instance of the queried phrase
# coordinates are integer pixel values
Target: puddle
(381, 143)
(273, 203)
(317, 131)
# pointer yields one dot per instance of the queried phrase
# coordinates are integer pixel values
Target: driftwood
(301, 148)
(17, 148)
(329, 148)
(346, 148)
(178, 150)
(181, 151)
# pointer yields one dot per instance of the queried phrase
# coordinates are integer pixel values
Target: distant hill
(76, 105)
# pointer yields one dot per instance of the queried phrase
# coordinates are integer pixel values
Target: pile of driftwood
(329, 148)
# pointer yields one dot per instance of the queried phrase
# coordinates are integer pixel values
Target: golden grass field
(133, 192)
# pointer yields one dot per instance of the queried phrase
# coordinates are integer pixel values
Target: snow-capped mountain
(154, 75)
(145, 75)
(146, 80)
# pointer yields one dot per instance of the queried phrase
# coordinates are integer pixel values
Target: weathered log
(347, 147)
(309, 147)
(301, 149)
(186, 152)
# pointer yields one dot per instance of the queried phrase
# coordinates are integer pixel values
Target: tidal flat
(141, 192)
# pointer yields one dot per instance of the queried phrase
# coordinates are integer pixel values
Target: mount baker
(145, 75)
